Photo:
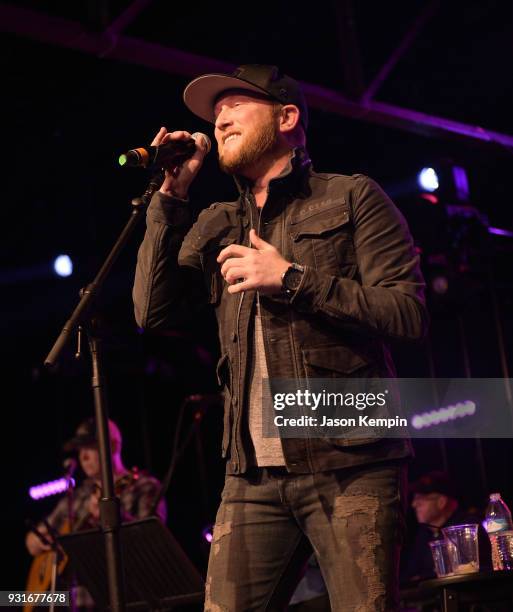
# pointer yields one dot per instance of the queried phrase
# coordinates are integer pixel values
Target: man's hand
(178, 178)
(34, 545)
(260, 268)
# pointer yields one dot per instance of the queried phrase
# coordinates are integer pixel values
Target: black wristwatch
(291, 278)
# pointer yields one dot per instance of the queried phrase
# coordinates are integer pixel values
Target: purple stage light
(443, 415)
(500, 232)
(50, 488)
(208, 533)
(461, 183)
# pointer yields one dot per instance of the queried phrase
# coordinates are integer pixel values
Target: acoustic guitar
(40, 574)
(39, 578)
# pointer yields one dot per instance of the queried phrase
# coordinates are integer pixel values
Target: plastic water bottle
(499, 526)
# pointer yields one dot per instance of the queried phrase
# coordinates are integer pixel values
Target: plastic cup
(464, 539)
(444, 556)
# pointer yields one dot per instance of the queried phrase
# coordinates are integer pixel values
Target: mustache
(254, 147)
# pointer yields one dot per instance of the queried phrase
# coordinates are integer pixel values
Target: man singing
(310, 275)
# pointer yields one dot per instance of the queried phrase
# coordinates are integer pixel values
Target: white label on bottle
(495, 525)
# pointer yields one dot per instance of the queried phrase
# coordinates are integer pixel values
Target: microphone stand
(83, 317)
(71, 520)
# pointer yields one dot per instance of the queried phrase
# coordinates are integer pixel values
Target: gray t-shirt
(268, 451)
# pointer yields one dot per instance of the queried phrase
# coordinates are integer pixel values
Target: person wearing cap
(136, 489)
(436, 505)
(309, 274)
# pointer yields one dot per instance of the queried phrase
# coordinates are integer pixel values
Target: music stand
(158, 574)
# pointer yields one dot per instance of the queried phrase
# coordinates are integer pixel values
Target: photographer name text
(361, 421)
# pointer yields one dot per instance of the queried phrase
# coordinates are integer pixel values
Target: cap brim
(200, 95)
(79, 442)
(424, 489)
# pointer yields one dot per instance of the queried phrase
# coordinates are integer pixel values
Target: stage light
(208, 533)
(50, 488)
(440, 284)
(428, 179)
(500, 232)
(460, 178)
(443, 415)
(63, 265)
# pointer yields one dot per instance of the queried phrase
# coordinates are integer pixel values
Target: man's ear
(442, 502)
(289, 118)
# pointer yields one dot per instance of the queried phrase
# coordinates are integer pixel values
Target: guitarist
(136, 491)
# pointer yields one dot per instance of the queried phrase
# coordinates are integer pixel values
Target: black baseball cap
(201, 94)
(85, 436)
(434, 482)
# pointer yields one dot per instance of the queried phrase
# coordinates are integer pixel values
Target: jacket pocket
(339, 362)
(324, 240)
(224, 378)
(333, 362)
(319, 221)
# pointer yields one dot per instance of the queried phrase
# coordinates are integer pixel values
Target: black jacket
(362, 286)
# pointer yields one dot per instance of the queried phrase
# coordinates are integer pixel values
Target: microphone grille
(198, 135)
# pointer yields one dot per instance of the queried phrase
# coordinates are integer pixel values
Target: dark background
(66, 117)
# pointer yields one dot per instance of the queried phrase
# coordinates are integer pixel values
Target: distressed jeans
(269, 521)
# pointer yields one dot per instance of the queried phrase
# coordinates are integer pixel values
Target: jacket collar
(289, 178)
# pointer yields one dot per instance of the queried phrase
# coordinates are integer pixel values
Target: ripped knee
(221, 530)
(359, 511)
(211, 606)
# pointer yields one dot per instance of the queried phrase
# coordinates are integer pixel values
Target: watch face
(292, 279)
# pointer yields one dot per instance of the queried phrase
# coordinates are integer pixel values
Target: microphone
(69, 465)
(172, 152)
